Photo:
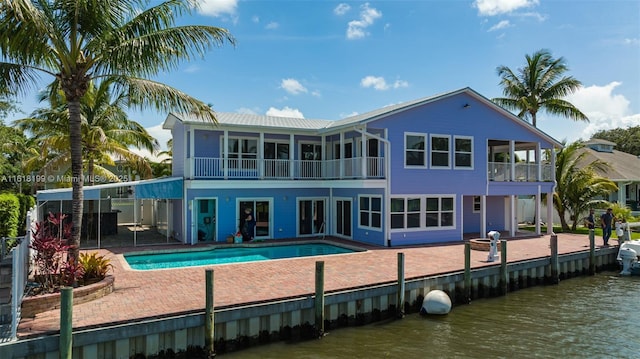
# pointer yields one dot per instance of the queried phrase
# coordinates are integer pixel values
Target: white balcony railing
(347, 168)
(524, 172)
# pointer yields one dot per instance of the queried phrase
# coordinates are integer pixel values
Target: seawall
(238, 327)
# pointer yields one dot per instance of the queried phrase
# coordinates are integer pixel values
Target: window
(439, 212)
(242, 153)
(440, 151)
(476, 204)
(371, 212)
(463, 152)
(405, 213)
(414, 154)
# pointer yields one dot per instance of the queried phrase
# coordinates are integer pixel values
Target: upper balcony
(522, 172)
(276, 169)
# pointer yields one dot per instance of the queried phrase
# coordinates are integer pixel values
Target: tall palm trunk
(75, 136)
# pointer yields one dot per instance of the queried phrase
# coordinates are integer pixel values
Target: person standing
(607, 219)
(247, 225)
(591, 222)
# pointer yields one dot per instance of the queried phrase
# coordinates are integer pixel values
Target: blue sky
(331, 59)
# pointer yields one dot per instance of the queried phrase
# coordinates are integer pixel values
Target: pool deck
(148, 294)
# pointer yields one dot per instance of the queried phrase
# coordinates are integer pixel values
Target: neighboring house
(623, 169)
(432, 170)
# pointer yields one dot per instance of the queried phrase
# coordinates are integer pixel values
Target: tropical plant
(107, 133)
(95, 267)
(578, 186)
(540, 85)
(50, 246)
(123, 41)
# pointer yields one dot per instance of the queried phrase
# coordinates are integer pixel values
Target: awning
(161, 188)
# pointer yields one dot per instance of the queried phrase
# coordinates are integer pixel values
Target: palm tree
(577, 184)
(540, 85)
(107, 133)
(78, 41)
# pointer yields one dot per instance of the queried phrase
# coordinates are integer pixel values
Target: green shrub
(9, 215)
(26, 203)
(95, 267)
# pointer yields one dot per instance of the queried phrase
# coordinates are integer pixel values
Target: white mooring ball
(436, 302)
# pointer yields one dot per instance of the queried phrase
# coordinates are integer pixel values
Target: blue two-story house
(432, 170)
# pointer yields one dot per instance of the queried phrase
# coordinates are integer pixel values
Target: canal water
(585, 317)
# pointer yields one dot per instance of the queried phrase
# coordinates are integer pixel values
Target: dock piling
(400, 297)
(592, 252)
(319, 300)
(66, 320)
(504, 273)
(554, 278)
(467, 272)
(209, 337)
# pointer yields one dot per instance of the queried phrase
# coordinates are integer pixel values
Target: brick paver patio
(146, 294)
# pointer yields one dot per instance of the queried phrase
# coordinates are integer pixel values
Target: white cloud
(292, 86)
(255, 18)
(501, 25)
(380, 84)
(605, 109)
(191, 69)
(341, 9)
(357, 28)
(316, 93)
(217, 7)
(285, 112)
(633, 42)
(272, 25)
(497, 7)
(159, 134)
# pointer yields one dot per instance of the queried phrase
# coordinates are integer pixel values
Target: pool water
(230, 255)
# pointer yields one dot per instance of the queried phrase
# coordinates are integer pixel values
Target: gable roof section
(324, 126)
(622, 166)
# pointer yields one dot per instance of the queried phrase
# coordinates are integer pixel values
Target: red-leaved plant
(49, 242)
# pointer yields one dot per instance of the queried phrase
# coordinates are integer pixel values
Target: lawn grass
(579, 230)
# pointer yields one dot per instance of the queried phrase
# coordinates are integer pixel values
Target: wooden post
(319, 302)
(66, 323)
(209, 330)
(592, 252)
(554, 278)
(504, 273)
(467, 272)
(400, 297)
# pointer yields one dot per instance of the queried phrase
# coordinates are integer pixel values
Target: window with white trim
(405, 213)
(415, 150)
(370, 212)
(439, 211)
(242, 152)
(440, 151)
(463, 152)
(476, 204)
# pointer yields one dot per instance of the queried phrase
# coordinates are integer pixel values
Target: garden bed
(482, 244)
(45, 302)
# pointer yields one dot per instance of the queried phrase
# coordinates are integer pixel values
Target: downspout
(387, 187)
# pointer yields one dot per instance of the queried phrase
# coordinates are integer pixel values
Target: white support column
(225, 154)
(550, 213)
(512, 160)
(539, 162)
(261, 155)
(513, 219)
(292, 157)
(363, 155)
(323, 157)
(537, 212)
(483, 216)
(341, 161)
(192, 148)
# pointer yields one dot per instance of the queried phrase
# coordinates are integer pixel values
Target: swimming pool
(230, 255)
